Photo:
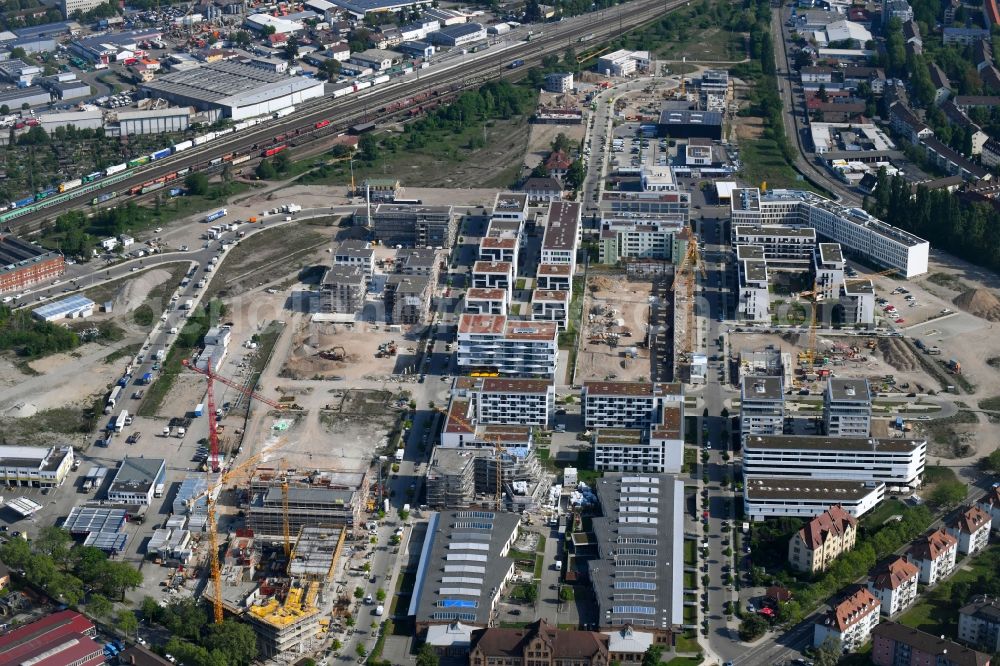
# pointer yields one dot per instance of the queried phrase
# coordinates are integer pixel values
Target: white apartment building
(493, 275)
(934, 554)
(894, 584)
(499, 248)
(754, 297)
(990, 503)
(850, 622)
(514, 348)
(786, 247)
(762, 406)
(486, 301)
(356, 253)
(853, 228)
(638, 238)
(659, 449)
(562, 233)
(898, 463)
(512, 206)
(554, 277)
(972, 529)
(979, 624)
(627, 404)
(856, 297)
(551, 306)
(847, 408)
(34, 466)
(828, 267)
(774, 497)
(504, 400)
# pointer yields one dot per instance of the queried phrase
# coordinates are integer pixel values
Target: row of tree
(195, 639)
(28, 337)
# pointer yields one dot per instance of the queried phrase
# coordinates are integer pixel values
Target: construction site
(614, 341)
(320, 351)
(462, 478)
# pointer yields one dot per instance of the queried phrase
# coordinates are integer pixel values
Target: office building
(464, 568)
(35, 466)
(414, 225)
(356, 253)
(562, 233)
(770, 497)
(972, 529)
(895, 644)
(762, 406)
(851, 621)
(898, 463)
(894, 584)
(23, 264)
(342, 290)
(511, 348)
(511, 207)
(684, 124)
(785, 247)
(639, 539)
(847, 408)
(538, 644)
(233, 90)
(853, 228)
(71, 7)
(979, 624)
(622, 62)
(609, 404)
(136, 480)
(63, 638)
(934, 554)
(822, 540)
(662, 205)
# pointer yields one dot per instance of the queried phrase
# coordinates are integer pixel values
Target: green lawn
(690, 614)
(690, 552)
(885, 510)
(682, 661)
(687, 642)
(937, 474)
(935, 612)
(764, 162)
(690, 580)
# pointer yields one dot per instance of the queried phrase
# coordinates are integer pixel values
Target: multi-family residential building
(551, 306)
(554, 277)
(562, 233)
(499, 248)
(407, 298)
(853, 228)
(511, 206)
(979, 623)
(898, 645)
(972, 529)
(414, 226)
(665, 205)
(828, 269)
(493, 275)
(822, 540)
(538, 644)
(342, 290)
(990, 503)
(754, 296)
(847, 408)
(658, 449)
(768, 497)
(762, 406)
(898, 463)
(894, 583)
(357, 253)
(934, 554)
(493, 301)
(851, 621)
(786, 247)
(515, 348)
(627, 404)
(638, 238)
(506, 400)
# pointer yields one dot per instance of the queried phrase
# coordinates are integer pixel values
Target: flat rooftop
(818, 442)
(749, 252)
(620, 437)
(773, 230)
(137, 475)
(753, 387)
(831, 253)
(755, 270)
(510, 202)
(563, 226)
(513, 385)
(229, 83)
(482, 324)
(42, 459)
(851, 390)
(550, 295)
(349, 275)
(492, 267)
(671, 424)
(485, 294)
(554, 269)
(759, 488)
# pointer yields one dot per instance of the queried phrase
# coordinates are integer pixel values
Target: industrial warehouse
(233, 90)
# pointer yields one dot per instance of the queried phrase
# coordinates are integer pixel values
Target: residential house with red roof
(894, 583)
(972, 529)
(990, 503)
(934, 554)
(539, 644)
(851, 621)
(822, 540)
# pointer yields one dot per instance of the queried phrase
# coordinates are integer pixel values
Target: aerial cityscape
(440, 333)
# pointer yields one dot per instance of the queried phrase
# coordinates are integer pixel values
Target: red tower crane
(213, 435)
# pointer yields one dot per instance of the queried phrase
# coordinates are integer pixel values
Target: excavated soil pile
(979, 302)
(601, 283)
(897, 354)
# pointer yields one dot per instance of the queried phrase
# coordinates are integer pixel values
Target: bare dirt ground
(617, 308)
(542, 136)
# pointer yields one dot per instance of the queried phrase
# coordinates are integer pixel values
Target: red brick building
(23, 264)
(61, 639)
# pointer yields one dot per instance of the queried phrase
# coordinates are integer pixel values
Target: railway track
(345, 112)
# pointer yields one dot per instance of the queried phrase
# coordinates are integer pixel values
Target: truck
(158, 490)
(212, 217)
(189, 303)
(116, 393)
(124, 380)
(147, 378)
(399, 455)
(291, 208)
(121, 420)
(199, 409)
(160, 354)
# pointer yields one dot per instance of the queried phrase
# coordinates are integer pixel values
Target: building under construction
(310, 498)
(288, 613)
(461, 478)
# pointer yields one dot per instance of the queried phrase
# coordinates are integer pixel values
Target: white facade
(562, 233)
(622, 62)
(551, 306)
(847, 408)
(972, 529)
(934, 554)
(627, 404)
(637, 238)
(754, 296)
(617, 450)
(894, 584)
(762, 406)
(898, 463)
(851, 621)
(511, 348)
(853, 228)
(35, 466)
(500, 401)
(486, 301)
(769, 497)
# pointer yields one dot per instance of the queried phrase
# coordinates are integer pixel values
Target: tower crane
(690, 263)
(213, 435)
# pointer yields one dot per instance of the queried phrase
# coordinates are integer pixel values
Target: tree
(576, 174)
(948, 493)
(16, 553)
(196, 183)
(380, 595)
(530, 593)
(992, 462)
(151, 610)
(331, 67)
(360, 649)
(822, 94)
(266, 170)
(99, 606)
(404, 515)
(426, 656)
(236, 640)
(561, 143)
(752, 627)
(368, 146)
(829, 652)
(566, 593)
(117, 577)
(653, 655)
(359, 592)
(540, 171)
(336, 645)
(127, 623)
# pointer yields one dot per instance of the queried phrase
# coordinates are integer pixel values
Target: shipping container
(91, 177)
(101, 198)
(44, 194)
(139, 161)
(183, 145)
(212, 217)
(26, 201)
(275, 150)
(116, 393)
(378, 80)
(287, 111)
(321, 124)
(160, 154)
(361, 128)
(199, 409)
(112, 170)
(151, 187)
(70, 185)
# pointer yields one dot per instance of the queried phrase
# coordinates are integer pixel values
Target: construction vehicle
(386, 349)
(954, 367)
(336, 354)
(213, 432)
